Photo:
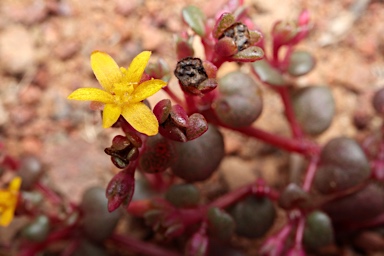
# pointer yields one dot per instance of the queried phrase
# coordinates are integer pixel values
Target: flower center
(122, 93)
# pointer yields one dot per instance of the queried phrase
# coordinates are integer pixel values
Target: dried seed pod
(239, 34)
(192, 75)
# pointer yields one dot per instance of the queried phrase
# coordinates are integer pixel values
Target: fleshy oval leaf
(268, 74)
(195, 19)
(249, 54)
(301, 63)
(314, 107)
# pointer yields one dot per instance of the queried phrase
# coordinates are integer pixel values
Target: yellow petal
(111, 113)
(91, 94)
(141, 118)
(5, 196)
(146, 89)
(105, 69)
(137, 67)
(7, 216)
(15, 184)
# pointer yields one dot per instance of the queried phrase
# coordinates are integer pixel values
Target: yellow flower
(123, 92)
(8, 201)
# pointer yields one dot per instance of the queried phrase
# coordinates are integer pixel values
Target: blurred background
(44, 55)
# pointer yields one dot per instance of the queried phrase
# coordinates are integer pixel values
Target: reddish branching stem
(305, 147)
(173, 96)
(289, 113)
(299, 232)
(140, 247)
(310, 173)
(52, 238)
(49, 193)
(237, 195)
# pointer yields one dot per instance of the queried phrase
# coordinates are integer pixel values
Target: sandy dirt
(44, 55)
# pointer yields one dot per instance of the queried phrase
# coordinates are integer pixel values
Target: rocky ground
(44, 55)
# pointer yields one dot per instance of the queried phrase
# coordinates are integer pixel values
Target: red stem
(140, 247)
(310, 174)
(191, 104)
(299, 232)
(233, 197)
(173, 96)
(71, 248)
(56, 236)
(49, 193)
(284, 232)
(376, 221)
(275, 53)
(285, 62)
(293, 145)
(289, 113)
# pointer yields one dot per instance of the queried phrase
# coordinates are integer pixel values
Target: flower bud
(284, 31)
(124, 149)
(120, 190)
(175, 123)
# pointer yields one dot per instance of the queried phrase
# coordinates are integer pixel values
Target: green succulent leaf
(267, 73)
(195, 18)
